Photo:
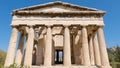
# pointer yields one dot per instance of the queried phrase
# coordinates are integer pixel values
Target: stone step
(60, 66)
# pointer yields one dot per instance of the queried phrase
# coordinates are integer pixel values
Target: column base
(61, 66)
(105, 67)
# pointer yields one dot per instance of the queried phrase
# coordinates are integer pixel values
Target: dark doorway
(59, 57)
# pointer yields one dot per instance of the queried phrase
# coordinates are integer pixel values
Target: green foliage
(15, 66)
(2, 58)
(12, 66)
(114, 54)
(1, 66)
(114, 62)
(111, 55)
(117, 54)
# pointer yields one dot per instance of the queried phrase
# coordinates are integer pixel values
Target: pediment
(56, 7)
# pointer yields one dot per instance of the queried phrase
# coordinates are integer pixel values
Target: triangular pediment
(56, 7)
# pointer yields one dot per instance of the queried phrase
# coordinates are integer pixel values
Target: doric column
(96, 51)
(72, 49)
(103, 50)
(53, 53)
(19, 53)
(91, 51)
(11, 48)
(24, 50)
(86, 59)
(34, 54)
(67, 49)
(29, 48)
(39, 53)
(48, 48)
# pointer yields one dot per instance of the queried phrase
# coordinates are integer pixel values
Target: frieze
(60, 19)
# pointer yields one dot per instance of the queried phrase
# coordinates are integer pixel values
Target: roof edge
(38, 13)
(53, 3)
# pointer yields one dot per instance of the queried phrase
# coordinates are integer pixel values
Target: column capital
(21, 31)
(101, 26)
(14, 29)
(26, 29)
(66, 25)
(31, 26)
(83, 26)
(48, 26)
(14, 26)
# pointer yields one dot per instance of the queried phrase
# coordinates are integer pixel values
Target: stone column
(12, 47)
(39, 52)
(24, 50)
(72, 49)
(96, 51)
(48, 48)
(67, 49)
(53, 53)
(29, 48)
(103, 50)
(86, 59)
(91, 51)
(19, 53)
(34, 54)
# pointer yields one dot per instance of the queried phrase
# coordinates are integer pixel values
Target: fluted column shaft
(86, 59)
(48, 48)
(67, 49)
(39, 52)
(18, 58)
(91, 51)
(53, 53)
(96, 50)
(11, 48)
(102, 46)
(29, 48)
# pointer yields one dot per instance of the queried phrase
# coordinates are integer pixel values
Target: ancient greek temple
(57, 35)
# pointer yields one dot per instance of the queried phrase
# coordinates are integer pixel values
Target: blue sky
(111, 18)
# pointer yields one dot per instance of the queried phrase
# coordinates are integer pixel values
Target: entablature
(57, 21)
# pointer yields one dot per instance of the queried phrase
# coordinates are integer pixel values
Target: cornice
(57, 13)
